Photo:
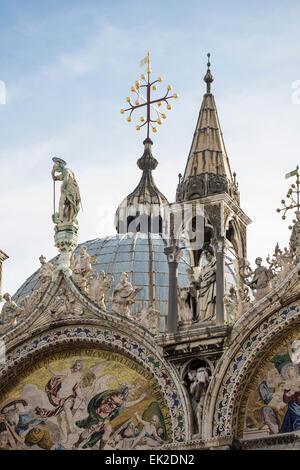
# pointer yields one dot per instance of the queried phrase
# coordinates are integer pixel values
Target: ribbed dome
(141, 256)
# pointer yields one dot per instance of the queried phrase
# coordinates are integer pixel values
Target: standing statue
(207, 289)
(199, 380)
(10, 312)
(185, 306)
(81, 267)
(46, 271)
(123, 296)
(261, 279)
(98, 288)
(69, 196)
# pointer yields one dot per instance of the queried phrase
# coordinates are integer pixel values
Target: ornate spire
(207, 170)
(145, 202)
(208, 76)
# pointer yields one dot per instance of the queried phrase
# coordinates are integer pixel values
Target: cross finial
(147, 103)
(208, 77)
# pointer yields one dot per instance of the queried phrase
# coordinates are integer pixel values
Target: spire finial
(208, 77)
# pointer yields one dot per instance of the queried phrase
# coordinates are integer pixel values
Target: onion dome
(143, 209)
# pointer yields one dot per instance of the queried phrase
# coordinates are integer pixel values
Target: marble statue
(199, 380)
(207, 289)
(261, 279)
(81, 267)
(60, 306)
(69, 196)
(46, 271)
(123, 296)
(98, 288)
(148, 318)
(185, 306)
(10, 312)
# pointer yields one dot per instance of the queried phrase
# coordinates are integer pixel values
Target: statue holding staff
(70, 195)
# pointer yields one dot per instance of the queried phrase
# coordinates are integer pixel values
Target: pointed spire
(146, 200)
(207, 170)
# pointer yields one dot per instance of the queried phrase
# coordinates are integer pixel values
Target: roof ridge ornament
(208, 76)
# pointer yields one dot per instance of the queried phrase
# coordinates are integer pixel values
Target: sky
(68, 67)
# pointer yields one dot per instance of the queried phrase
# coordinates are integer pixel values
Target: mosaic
(84, 399)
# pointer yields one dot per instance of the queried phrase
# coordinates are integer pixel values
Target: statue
(199, 380)
(10, 312)
(81, 267)
(280, 264)
(207, 289)
(295, 237)
(148, 318)
(123, 296)
(185, 306)
(98, 288)
(46, 271)
(70, 195)
(60, 305)
(261, 279)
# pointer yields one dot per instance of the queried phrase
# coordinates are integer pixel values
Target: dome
(143, 209)
(141, 256)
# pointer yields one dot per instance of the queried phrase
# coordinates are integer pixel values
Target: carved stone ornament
(98, 288)
(198, 380)
(81, 267)
(148, 318)
(123, 296)
(9, 314)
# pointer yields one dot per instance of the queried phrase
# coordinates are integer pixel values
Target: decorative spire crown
(208, 76)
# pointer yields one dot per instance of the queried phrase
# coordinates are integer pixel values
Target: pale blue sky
(68, 67)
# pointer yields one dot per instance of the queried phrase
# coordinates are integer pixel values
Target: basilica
(162, 336)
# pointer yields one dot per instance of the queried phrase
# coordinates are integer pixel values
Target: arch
(92, 335)
(253, 336)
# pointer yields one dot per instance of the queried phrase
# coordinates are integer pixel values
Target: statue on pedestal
(69, 193)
